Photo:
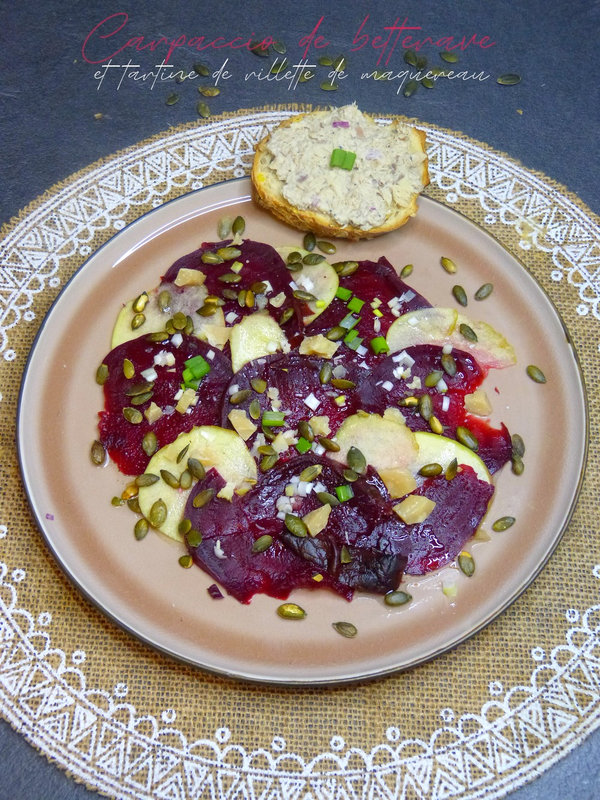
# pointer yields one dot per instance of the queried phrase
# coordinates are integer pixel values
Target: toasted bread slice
(292, 174)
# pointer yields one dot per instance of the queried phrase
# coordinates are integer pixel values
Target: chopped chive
(352, 335)
(303, 445)
(272, 419)
(344, 492)
(379, 345)
(343, 293)
(355, 343)
(342, 158)
(355, 304)
(198, 366)
(349, 321)
(377, 312)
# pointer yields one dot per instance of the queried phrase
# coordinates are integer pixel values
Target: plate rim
(239, 674)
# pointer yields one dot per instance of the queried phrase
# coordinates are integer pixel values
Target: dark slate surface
(49, 99)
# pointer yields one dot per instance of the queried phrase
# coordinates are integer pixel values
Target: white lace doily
(123, 751)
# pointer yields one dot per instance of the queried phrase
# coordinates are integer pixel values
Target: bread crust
(267, 192)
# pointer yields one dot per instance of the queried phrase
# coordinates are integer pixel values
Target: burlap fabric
(132, 723)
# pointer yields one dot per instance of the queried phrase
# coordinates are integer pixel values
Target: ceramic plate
(141, 585)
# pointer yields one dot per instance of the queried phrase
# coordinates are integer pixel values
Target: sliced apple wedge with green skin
(321, 280)
(384, 442)
(440, 326)
(436, 449)
(255, 336)
(187, 300)
(214, 447)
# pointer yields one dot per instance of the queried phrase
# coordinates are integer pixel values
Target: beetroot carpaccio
(341, 454)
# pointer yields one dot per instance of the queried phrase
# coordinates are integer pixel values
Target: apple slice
(255, 336)
(186, 299)
(214, 447)
(385, 442)
(436, 449)
(321, 280)
(441, 326)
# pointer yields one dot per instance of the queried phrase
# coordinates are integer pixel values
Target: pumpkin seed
(131, 490)
(286, 316)
(449, 56)
(262, 543)
(518, 445)
(202, 69)
(342, 383)
(169, 479)
(449, 364)
(325, 373)
(410, 88)
(329, 86)
(224, 227)
(241, 298)
(117, 501)
(406, 271)
(346, 268)
(305, 430)
(435, 425)
(309, 242)
(133, 415)
(207, 310)
(209, 91)
(184, 526)
(278, 66)
(279, 47)
(350, 475)
(448, 265)
(254, 409)
(509, 79)
(259, 49)
(128, 369)
(427, 82)
(346, 629)
(503, 524)
(536, 374)
(239, 397)
(433, 378)
(467, 332)
(339, 63)
(98, 453)
(294, 266)
(230, 277)
(186, 561)
(466, 564)
(228, 253)
(149, 443)
(451, 470)
(425, 406)
(484, 291)
(210, 258)
(328, 499)
(336, 333)
(266, 450)
(464, 436)
(408, 402)
(102, 374)
(306, 297)
(140, 399)
(157, 336)
(356, 460)
(258, 384)
(185, 480)
(158, 513)
(326, 247)
(295, 526)
(345, 557)
(310, 259)
(410, 57)
(146, 479)
(460, 295)
(203, 497)
(268, 462)
(295, 257)
(141, 528)
(189, 326)
(238, 226)
(311, 473)
(229, 294)
(397, 598)
(517, 465)
(139, 388)
(203, 110)
(196, 468)
(329, 444)
(172, 99)
(291, 611)
(164, 300)
(179, 321)
(325, 61)
(133, 504)
(430, 470)
(193, 537)
(139, 304)
(258, 287)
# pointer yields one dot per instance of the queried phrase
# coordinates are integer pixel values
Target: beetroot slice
(290, 563)
(375, 395)
(294, 377)
(373, 280)
(122, 439)
(261, 262)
